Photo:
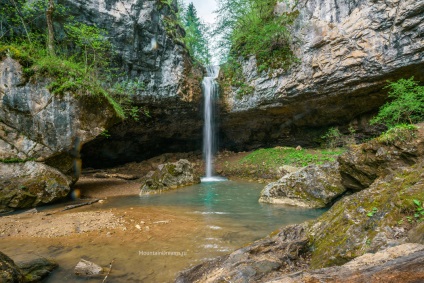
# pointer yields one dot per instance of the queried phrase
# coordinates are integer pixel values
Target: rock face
(147, 40)
(9, 271)
(404, 263)
(35, 124)
(364, 163)
(29, 184)
(170, 176)
(348, 50)
(313, 186)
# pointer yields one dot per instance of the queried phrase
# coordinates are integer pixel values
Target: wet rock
(9, 271)
(267, 258)
(170, 176)
(29, 184)
(364, 163)
(312, 186)
(36, 269)
(348, 50)
(87, 268)
(404, 263)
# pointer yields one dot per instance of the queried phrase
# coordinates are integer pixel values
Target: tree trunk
(50, 37)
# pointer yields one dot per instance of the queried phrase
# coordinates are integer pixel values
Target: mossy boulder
(170, 176)
(9, 271)
(363, 164)
(369, 220)
(34, 268)
(313, 186)
(29, 184)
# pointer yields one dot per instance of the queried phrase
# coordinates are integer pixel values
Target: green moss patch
(349, 228)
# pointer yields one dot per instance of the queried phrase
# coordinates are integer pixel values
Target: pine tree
(195, 38)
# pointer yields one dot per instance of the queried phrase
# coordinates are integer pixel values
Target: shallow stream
(179, 229)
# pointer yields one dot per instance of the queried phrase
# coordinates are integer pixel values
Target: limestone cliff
(348, 50)
(147, 41)
(36, 125)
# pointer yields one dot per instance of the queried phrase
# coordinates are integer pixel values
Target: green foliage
(81, 70)
(333, 138)
(419, 211)
(275, 157)
(372, 212)
(105, 134)
(250, 27)
(406, 105)
(400, 133)
(14, 160)
(195, 38)
(91, 43)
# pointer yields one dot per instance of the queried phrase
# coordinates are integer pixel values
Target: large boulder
(9, 271)
(313, 186)
(170, 176)
(29, 184)
(348, 50)
(364, 163)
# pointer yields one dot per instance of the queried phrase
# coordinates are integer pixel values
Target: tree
(50, 36)
(195, 38)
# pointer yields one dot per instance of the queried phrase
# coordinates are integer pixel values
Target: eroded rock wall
(348, 51)
(147, 42)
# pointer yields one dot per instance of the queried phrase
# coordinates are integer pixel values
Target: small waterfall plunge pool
(176, 230)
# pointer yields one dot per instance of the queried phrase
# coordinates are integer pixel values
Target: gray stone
(313, 186)
(348, 51)
(170, 176)
(87, 268)
(35, 124)
(29, 184)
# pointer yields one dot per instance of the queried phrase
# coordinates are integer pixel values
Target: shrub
(399, 133)
(406, 105)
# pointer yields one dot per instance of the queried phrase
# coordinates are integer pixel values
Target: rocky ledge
(41, 135)
(348, 50)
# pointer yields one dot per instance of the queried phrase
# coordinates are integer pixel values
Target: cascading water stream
(210, 93)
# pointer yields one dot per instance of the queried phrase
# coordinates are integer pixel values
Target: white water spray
(210, 93)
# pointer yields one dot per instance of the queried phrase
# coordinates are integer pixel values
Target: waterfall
(210, 93)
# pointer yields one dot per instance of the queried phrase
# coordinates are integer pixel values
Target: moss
(65, 75)
(346, 231)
